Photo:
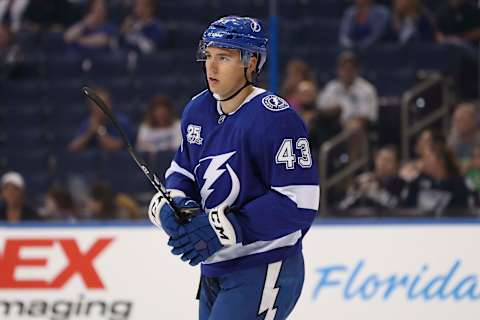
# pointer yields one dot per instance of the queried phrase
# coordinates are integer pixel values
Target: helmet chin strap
(216, 96)
(247, 83)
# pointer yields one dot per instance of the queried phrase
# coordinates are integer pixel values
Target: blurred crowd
(442, 178)
(159, 131)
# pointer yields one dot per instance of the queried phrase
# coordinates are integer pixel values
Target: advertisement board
(353, 271)
(392, 271)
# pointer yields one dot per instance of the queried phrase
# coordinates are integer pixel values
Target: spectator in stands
(97, 131)
(363, 24)
(50, 16)
(350, 98)
(473, 170)
(59, 205)
(160, 129)
(142, 31)
(427, 137)
(296, 71)
(127, 208)
(13, 205)
(459, 23)
(305, 96)
(101, 202)
(104, 204)
(411, 22)
(12, 12)
(93, 33)
(9, 51)
(464, 135)
(440, 185)
(379, 189)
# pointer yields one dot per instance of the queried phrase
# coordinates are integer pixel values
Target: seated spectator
(93, 33)
(427, 137)
(458, 23)
(439, 188)
(142, 31)
(104, 204)
(473, 171)
(59, 205)
(305, 96)
(296, 71)
(363, 24)
(12, 12)
(9, 51)
(97, 131)
(411, 22)
(101, 202)
(160, 129)
(350, 98)
(50, 16)
(464, 134)
(127, 208)
(379, 189)
(13, 205)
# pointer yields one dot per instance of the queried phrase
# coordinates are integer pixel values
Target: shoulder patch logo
(193, 134)
(274, 103)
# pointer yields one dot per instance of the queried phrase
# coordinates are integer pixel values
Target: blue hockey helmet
(232, 32)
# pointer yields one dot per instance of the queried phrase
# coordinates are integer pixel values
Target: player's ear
(252, 66)
(253, 62)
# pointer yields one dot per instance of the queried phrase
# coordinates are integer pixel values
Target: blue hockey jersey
(257, 161)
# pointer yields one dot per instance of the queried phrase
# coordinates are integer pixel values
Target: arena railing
(411, 127)
(327, 181)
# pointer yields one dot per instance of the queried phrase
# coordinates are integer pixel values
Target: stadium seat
(34, 159)
(123, 174)
(65, 91)
(64, 67)
(184, 11)
(161, 163)
(185, 35)
(433, 56)
(394, 83)
(22, 92)
(87, 163)
(158, 64)
(108, 66)
(385, 58)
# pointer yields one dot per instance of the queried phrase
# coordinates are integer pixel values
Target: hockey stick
(183, 215)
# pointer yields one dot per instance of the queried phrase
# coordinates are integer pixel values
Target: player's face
(225, 70)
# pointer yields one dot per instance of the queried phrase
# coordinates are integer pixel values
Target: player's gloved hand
(162, 214)
(205, 234)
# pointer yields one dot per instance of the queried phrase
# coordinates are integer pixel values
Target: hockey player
(245, 162)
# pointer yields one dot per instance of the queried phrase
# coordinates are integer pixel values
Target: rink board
(354, 270)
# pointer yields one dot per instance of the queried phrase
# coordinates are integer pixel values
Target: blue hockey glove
(206, 234)
(162, 214)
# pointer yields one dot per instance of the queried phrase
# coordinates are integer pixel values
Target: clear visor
(201, 54)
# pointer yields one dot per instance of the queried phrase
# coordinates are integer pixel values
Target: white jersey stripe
(304, 196)
(175, 168)
(238, 250)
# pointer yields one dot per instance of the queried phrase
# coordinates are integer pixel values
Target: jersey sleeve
(282, 156)
(179, 175)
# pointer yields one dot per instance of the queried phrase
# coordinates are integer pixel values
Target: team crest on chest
(193, 134)
(274, 103)
(219, 182)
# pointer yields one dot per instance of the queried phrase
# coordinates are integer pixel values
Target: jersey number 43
(286, 154)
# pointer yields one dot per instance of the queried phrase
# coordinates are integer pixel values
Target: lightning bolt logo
(269, 294)
(214, 172)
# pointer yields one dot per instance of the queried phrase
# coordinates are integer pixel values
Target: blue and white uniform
(256, 160)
